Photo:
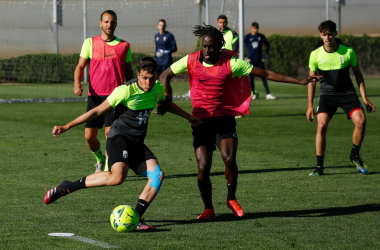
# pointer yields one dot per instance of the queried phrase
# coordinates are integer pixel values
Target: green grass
(285, 208)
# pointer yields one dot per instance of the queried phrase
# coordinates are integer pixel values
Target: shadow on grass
(322, 212)
(255, 171)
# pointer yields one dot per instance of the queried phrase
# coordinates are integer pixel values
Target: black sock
(320, 160)
(76, 185)
(355, 150)
(141, 207)
(205, 188)
(231, 192)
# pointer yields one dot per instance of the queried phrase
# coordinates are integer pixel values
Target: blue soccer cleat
(362, 168)
(317, 172)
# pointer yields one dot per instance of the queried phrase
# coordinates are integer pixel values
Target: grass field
(285, 208)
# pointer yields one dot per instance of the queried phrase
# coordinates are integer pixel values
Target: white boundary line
(92, 242)
(83, 239)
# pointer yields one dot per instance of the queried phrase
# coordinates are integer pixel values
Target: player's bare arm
(360, 81)
(78, 75)
(88, 116)
(194, 121)
(165, 80)
(278, 77)
(128, 71)
(310, 94)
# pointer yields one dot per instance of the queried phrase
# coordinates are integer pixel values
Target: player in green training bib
(133, 102)
(333, 60)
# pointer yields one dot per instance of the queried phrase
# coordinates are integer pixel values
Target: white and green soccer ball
(124, 219)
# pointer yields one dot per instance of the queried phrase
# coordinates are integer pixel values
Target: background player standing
(165, 46)
(133, 103)
(255, 42)
(110, 65)
(230, 36)
(333, 60)
(220, 91)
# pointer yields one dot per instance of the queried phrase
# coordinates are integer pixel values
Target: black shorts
(213, 130)
(121, 149)
(330, 103)
(105, 119)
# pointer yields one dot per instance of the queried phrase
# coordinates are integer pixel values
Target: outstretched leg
(116, 176)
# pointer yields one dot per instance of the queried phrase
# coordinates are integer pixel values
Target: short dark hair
(208, 30)
(256, 25)
(327, 26)
(222, 17)
(147, 64)
(110, 12)
(162, 20)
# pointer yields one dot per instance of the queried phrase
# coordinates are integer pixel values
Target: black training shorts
(330, 103)
(121, 149)
(213, 130)
(105, 119)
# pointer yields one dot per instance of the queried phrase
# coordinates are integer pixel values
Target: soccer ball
(124, 219)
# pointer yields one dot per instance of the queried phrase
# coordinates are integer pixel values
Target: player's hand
(78, 89)
(159, 53)
(195, 121)
(309, 79)
(368, 105)
(310, 114)
(164, 106)
(57, 130)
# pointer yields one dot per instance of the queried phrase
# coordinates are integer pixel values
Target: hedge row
(45, 68)
(288, 55)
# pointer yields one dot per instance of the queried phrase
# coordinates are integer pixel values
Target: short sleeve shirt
(132, 109)
(334, 67)
(86, 51)
(238, 66)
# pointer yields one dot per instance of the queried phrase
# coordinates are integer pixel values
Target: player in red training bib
(220, 90)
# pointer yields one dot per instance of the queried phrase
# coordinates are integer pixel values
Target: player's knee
(89, 136)
(116, 180)
(156, 177)
(322, 127)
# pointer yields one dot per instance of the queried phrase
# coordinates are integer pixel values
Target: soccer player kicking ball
(133, 103)
(220, 90)
(333, 61)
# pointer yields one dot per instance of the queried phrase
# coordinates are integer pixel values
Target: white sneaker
(270, 97)
(187, 95)
(99, 166)
(254, 97)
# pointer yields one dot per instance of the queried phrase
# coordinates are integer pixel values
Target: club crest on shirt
(125, 154)
(342, 60)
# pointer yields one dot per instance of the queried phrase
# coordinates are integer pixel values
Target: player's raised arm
(88, 116)
(278, 77)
